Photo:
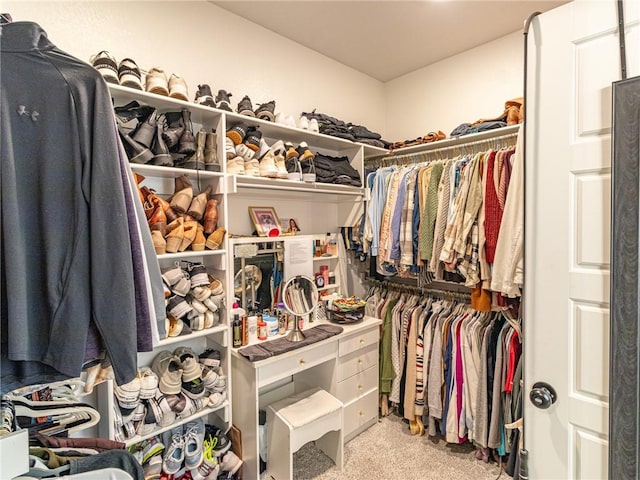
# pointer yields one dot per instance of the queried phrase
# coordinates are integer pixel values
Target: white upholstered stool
(299, 419)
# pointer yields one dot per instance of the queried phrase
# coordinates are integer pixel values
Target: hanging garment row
(461, 215)
(448, 369)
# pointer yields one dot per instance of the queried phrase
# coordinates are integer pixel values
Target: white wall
(460, 89)
(206, 44)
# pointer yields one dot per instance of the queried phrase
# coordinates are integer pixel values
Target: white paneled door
(573, 58)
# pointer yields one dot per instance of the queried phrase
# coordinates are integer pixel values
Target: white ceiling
(387, 39)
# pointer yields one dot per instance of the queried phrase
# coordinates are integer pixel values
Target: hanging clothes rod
(398, 287)
(429, 149)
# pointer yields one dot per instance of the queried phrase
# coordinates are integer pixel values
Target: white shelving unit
(319, 207)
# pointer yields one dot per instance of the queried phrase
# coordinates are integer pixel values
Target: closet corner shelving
(229, 188)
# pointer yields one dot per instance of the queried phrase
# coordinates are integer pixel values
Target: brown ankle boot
(211, 216)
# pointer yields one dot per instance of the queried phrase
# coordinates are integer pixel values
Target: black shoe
(173, 129)
(221, 443)
(129, 74)
(136, 152)
(162, 157)
(187, 140)
(223, 101)
(304, 154)
(204, 97)
(265, 111)
(210, 357)
(252, 138)
(146, 130)
(245, 107)
(130, 115)
(106, 65)
(238, 133)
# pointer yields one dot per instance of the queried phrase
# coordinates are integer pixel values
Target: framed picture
(290, 226)
(266, 221)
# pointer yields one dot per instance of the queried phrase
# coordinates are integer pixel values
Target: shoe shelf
(222, 408)
(462, 140)
(218, 330)
(190, 254)
(278, 131)
(244, 181)
(199, 113)
(172, 172)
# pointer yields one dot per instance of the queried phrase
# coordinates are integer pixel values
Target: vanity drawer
(357, 361)
(360, 412)
(295, 362)
(357, 385)
(361, 340)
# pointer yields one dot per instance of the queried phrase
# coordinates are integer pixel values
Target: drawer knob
(302, 362)
(361, 413)
(359, 361)
(359, 387)
(361, 341)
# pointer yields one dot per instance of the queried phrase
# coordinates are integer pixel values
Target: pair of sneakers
(308, 124)
(126, 73)
(271, 160)
(183, 445)
(299, 163)
(174, 86)
(179, 372)
(241, 146)
(221, 101)
(265, 111)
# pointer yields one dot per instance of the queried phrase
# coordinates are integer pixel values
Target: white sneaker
(313, 125)
(303, 123)
(264, 148)
(252, 167)
(280, 118)
(289, 121)
(245, 152)
(236, 165)
(229, 148)
(278, 155)
(268, 165)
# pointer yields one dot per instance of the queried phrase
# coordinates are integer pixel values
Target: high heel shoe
(146, 130)
(215, 239)
(159, 243)
(199, 242)
(162, 157)
(211, 216)
(158, 201)
(158, 220)
(199, 202)
(174, 237)
(136, 152)
(190, 232)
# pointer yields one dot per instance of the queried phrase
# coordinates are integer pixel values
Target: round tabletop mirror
(300, 297)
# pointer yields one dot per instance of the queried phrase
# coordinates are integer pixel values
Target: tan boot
(211, 216)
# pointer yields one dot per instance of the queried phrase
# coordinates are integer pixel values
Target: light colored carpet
(388, 451)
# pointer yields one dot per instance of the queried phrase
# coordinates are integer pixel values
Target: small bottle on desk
(237, 331)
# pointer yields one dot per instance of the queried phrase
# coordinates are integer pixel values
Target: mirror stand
(296, 335)
(300, 297)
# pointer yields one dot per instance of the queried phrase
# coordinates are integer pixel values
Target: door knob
(542, 395)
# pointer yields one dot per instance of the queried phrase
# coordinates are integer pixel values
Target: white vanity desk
(345, 365)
